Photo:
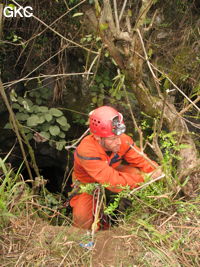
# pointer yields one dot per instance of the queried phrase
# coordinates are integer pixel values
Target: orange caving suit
(93, 165)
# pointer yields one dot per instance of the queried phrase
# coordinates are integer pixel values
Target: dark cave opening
(57, 179)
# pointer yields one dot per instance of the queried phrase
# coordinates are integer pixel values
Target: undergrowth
(161, 228)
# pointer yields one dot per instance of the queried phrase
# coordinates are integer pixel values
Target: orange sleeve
(102, 173)
(135, 159)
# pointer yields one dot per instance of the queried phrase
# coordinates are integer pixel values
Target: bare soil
(33, 242)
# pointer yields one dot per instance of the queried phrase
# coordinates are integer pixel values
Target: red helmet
(105, 121)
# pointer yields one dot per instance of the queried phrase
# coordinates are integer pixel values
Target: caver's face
(111, 143)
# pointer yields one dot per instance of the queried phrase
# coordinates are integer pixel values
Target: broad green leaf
(46, 93)
(62, 135)
(45, 96)
(65, 128)
(62, 121)
(43, 109)
(16, 106)
(13, 95)
(46, 135)
(41, 119)
(34, 109)
(55, 112)
(20, 100)
(60, 145)
(33, 120)
(54, 130)
(45, 127)
(22, 116)
(29, 102)
(38, 101)
(32, 94)
(48, 117)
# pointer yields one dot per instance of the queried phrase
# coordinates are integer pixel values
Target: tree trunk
(129, 60)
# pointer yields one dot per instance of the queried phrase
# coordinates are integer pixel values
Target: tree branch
(146, 5)
(144, 156)
(189, 106)
(116, 16)
(146, 184)
(57, 33)
(8, 84)
(15, 126)
(107, 17)
(166, 76)
(1, 20)
(122, 10)
(134, 120)
(146, 57)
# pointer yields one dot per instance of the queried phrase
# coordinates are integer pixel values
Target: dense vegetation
(140, 56)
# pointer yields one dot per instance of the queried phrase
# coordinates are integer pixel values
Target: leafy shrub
(40, 122)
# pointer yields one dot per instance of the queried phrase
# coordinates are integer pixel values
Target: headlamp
(118, 126)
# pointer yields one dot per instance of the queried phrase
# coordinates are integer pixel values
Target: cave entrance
(55, 171)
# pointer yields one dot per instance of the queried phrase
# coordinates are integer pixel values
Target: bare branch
(1, 20)
(152, 21)
(97, 65)
(146, 5)
(166, 76)
(148, 183)
(38, 34)
(168, 219)
(92, 64)
(163, 73)
(46, 77)
(16, 128)
(128, 23)
(189, 106)
(67, 4)
(122, 10)
(143, 155)
(134, 120)
(74, 144)
(57, 33)
(146, 57)
(155, 145)
(116, 15)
